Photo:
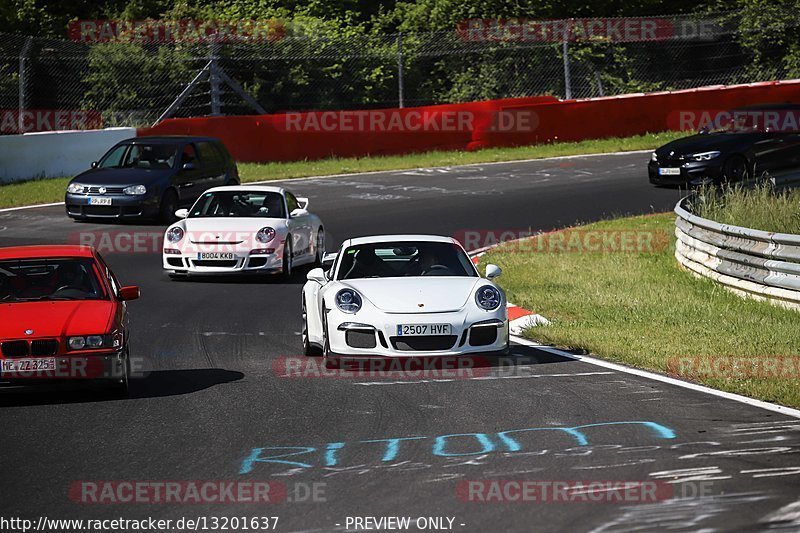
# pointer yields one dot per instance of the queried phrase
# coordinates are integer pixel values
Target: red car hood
(55, 319)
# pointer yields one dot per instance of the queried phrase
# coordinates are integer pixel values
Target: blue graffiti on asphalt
(502, 441)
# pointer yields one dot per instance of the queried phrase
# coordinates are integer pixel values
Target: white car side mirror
(182, 213)
(318, 275)
(492, 271)
(297, 212)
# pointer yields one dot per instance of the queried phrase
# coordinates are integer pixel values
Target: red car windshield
(45, 279)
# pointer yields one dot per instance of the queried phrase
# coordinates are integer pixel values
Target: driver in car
(71, 275)
(426, 260)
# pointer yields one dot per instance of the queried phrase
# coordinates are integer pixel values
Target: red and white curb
(519, 318)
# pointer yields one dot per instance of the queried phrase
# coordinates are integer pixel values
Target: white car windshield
(405, 259)
(250, 204)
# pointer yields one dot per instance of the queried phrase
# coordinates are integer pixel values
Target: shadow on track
(520, 360)
(298, 277)
(155, 384)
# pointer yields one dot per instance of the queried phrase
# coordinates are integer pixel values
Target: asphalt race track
(212, 404)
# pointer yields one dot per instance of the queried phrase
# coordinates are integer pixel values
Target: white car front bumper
(188, 263)
(471, 332)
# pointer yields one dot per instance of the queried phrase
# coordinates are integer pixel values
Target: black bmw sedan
(739, 145)
(150, 177)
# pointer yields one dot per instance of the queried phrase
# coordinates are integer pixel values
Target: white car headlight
(653, 157)
(704, 156)
(135, 190)
(348, 300)
(488, 298)
(265, 235)
(75, 188)
(174, 234)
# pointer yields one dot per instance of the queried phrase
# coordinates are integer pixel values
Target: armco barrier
(264, 138)
(753, 263)
(56, 153)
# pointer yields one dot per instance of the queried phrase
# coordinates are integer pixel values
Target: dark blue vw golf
(150, 177)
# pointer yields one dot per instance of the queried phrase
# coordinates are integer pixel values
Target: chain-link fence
(134, 83)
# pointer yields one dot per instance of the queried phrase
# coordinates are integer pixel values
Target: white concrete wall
(55, 153)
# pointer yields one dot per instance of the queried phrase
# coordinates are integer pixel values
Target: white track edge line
(788, 411)
(35, 206)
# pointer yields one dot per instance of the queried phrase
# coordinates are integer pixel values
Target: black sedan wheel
(735, 169)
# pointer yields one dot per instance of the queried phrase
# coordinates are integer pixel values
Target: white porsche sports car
(243, 229)
(403, 295)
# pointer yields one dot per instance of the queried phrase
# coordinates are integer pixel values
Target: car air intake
(176, 262)
(482, 336)
(15, 349)
(207, 263)
(360, 339)
(257, 262)
(44, 347)
(429, 343)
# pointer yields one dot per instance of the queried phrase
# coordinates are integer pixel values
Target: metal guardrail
(753, 263)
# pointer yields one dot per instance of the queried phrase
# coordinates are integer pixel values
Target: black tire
(169, 204)
(121, 386)
(320, 247)
(309, 350)
(326, 345)
(735, 169)
(286, 267)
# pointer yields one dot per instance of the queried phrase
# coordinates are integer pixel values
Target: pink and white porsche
(243, 229)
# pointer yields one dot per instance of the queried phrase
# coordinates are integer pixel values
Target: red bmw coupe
(63, 316)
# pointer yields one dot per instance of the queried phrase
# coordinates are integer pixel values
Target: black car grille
(15, 349)
(423, 344)
(44, 347)
(205, 263)
(95, 189)
(101, 210)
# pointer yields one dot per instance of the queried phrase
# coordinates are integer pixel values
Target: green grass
(759, 208)
(52, 190)
(641, 309)
(40, 191)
